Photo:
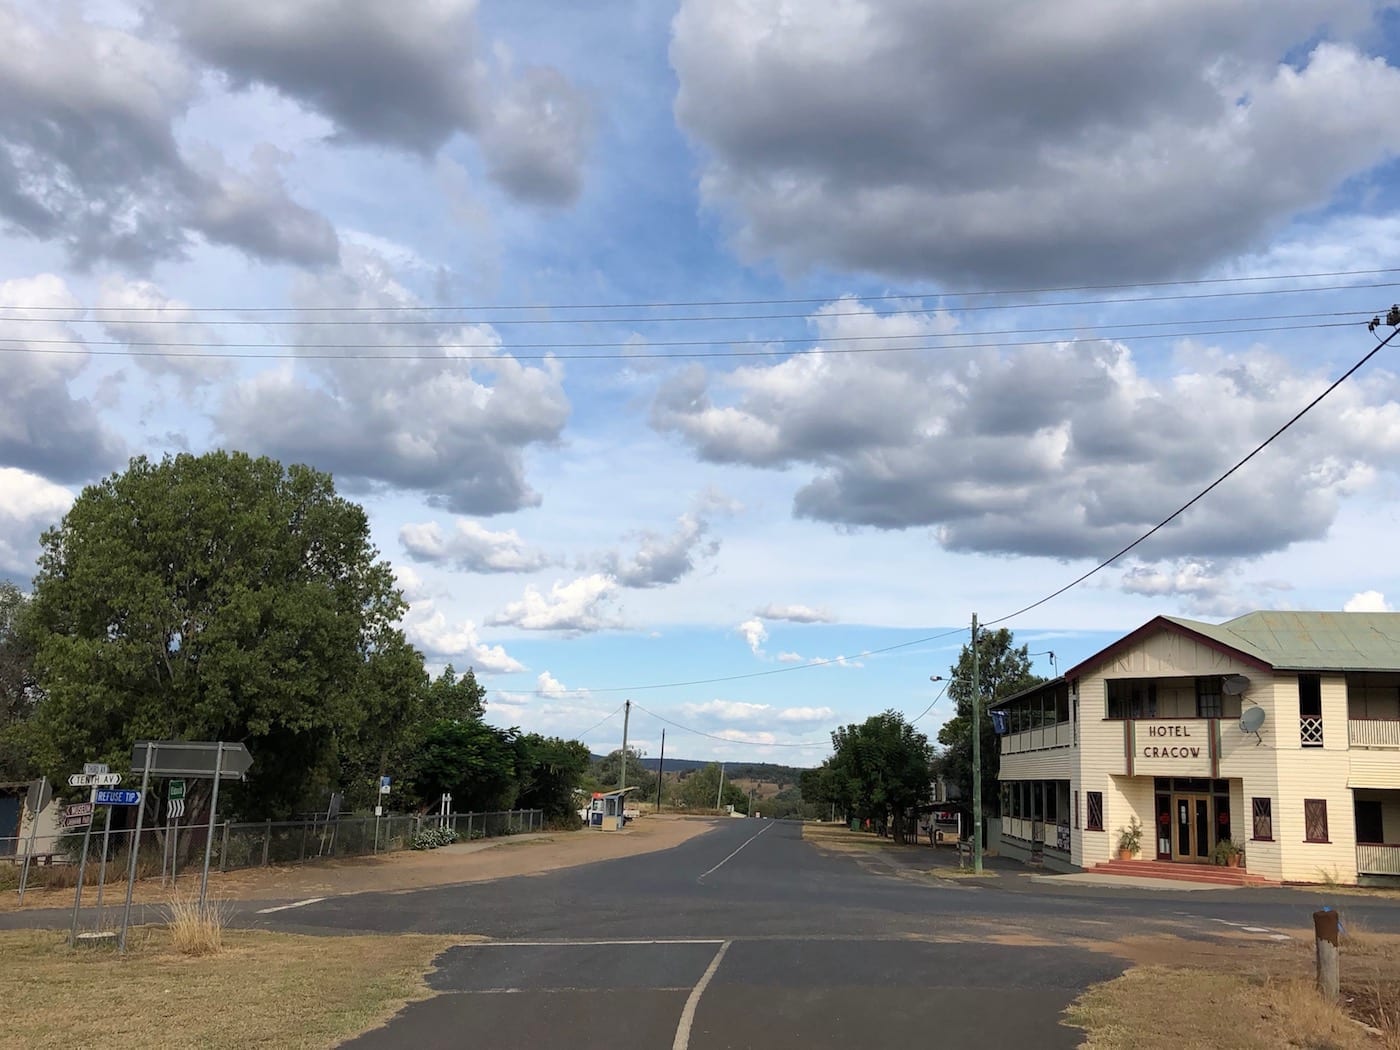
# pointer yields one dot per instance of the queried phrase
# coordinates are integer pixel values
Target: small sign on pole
(94, 780)
(109, 797)
(383, 785)
(175, 791)
(95, 767)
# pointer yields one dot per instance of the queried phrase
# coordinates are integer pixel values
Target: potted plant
(1228, 853)
(1130, 840)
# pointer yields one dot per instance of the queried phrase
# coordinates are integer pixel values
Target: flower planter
(1125, 854)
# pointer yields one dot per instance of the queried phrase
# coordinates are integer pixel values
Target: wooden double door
(1193, 823)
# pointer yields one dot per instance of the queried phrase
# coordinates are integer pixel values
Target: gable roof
(1283, 641)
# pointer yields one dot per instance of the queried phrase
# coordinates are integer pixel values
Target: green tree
(456, 698)
(1003, 669)
(700, 789)
(215, 597)
(551, 772)
(638, 776)
(474, 762)
(19, 691)
(887, 767)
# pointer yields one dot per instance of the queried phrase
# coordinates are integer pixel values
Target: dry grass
(1245, 994)
(1161, 1008)
(262, 989)
(195, 928)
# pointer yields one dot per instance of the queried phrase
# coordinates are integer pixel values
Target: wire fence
(169, 851)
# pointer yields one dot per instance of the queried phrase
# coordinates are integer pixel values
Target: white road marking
(581, 944)
(285, 907)
(727, 859)
(682, 1040)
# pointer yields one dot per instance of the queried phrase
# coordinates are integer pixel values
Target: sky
(727, 355)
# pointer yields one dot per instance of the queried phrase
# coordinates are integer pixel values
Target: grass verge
(261, 989)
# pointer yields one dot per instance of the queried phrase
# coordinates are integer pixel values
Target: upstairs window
(1209, 701)
(1132, 698)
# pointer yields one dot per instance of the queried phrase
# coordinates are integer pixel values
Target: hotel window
(1315, 819)
(1061, 707)
(1130, 698)
(1209, 703)
(1263, 819)
(1094, 803)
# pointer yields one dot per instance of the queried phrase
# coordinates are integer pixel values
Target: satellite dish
(1252, 720)
(1234, 684)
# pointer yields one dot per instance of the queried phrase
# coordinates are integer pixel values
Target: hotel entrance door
(1192, 816)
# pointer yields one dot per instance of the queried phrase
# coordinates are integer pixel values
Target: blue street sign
(118, 797)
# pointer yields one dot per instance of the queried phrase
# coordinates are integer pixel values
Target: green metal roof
(1310, 641)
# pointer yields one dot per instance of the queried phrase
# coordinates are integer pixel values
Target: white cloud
(1367, 601)
(727, 710)
(28, 505)
(664, 560)
(471, 547)
(789, 658)
(806, 714)
(755, 634)
(796, 614)
(431, 631)
(548, 685)
(575, 606)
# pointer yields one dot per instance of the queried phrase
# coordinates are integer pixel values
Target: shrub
(196, 929)
(433, 837)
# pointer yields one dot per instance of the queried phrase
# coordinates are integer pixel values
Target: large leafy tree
(217, 597)
(884, 766)
(551, 769)
(1003, 668)
(474, 762)
(700, 789)
(18, 688)
(609, 768)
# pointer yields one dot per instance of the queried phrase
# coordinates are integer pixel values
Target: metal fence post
(267, 841)
(223, 850)
(469, 826)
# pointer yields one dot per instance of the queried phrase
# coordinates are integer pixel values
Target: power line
(937, 698)
(728, 739)
(445, 358)
(695, 318)
(1200, 495)
(650, 343)
(597, 724)
(677, 304)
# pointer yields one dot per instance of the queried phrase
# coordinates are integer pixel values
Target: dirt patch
(407, 870)
(289, 991)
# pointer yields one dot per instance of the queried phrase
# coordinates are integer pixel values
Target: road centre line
(682, 1040)
(286, 907)
(727, 859)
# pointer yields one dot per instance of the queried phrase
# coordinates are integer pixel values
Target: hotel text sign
(1177, 748)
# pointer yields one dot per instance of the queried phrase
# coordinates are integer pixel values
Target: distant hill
(765, 771)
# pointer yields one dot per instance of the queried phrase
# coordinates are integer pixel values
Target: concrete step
(1208, 873)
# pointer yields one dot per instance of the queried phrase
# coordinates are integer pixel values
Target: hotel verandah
(1150, 728)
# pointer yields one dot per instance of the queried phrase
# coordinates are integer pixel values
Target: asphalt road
(747, 936)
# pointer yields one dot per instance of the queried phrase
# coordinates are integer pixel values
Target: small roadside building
(605, 811)
(1276, 732)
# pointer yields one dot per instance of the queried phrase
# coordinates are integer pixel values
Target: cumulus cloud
(755, 634)
(129, 310)
(806, 714)
(727, 710)
(789, 658)
(1061, 449)
(28, 506)
(452, 428)
(1367, 601)
(89, 158)
(471, 547)
(431, 631)
(796, 614)
(44, 429)
(661, 560)
(408, 77)
(580, 605)
(1026, 143)
(548, 685)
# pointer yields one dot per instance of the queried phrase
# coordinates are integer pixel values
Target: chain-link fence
(171, 850)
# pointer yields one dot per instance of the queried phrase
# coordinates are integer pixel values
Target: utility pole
(660, 770)
(976, 757)
(720, 793)
(622, 774)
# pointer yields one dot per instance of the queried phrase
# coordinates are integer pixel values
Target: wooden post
(267, 841)
(1325, 930)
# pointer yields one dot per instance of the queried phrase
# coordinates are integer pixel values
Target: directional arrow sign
(94, 780)
(76, 822)
(117, 798)
(78, 809)
(192, 758)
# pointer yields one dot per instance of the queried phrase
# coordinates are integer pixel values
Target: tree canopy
(881, 769)
(700, 789)
(227, 597)
(1003, 669)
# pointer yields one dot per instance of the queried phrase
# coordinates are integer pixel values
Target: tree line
(225, 597)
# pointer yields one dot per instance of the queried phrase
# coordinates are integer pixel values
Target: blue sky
(805, 392)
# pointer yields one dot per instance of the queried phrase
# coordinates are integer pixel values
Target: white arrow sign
(82, 780)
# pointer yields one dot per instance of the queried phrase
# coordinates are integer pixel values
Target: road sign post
(209, 838)
(82, 869)
(135, 850)
(102, 868)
